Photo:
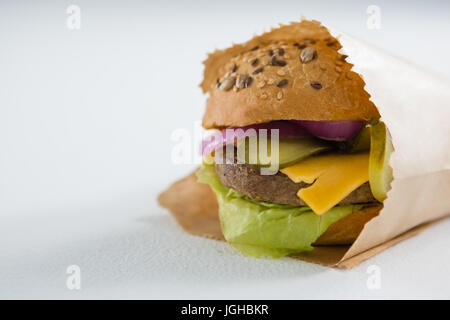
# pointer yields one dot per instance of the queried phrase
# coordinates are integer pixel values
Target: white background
(86, 118)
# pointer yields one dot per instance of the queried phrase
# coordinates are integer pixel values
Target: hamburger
(300, 157)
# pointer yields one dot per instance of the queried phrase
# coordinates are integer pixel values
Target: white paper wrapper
(415, 105)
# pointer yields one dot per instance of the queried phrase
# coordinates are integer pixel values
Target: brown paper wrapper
(194, 207)
(415, 105)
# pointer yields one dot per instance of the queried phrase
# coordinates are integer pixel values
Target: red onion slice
(332, 130)
(224, 137)
(230, 135)
(287, 129)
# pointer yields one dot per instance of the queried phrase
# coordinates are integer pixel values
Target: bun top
(293, 72)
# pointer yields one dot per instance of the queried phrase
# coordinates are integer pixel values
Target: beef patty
(276, 188)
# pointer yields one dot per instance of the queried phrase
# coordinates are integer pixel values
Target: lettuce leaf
(262, 229)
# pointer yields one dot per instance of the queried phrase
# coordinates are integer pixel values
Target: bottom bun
(346, 230)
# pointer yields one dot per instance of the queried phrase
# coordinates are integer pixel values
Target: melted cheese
(333, 177)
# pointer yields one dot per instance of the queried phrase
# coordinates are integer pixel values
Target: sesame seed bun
(292, 72)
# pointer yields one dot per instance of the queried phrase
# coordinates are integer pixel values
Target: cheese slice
(333, 177)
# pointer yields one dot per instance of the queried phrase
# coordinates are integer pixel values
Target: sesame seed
(338, 69)
(254, 48)
(307, 55)
(263, 96)
(241, 81)
(281, 72)
(261, 84)
(248, 82)
(282, 83)
(277, 63)
(227, 84)
(270, 52)
(259, 70)
(255, 62)
(316, 85)
(234, 68)
(281, 52)
(280, 95)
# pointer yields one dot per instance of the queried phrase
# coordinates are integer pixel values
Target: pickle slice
(380, 172)
(291, 151)
(361, 142)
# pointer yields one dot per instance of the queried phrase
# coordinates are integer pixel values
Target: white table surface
(86, 118)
